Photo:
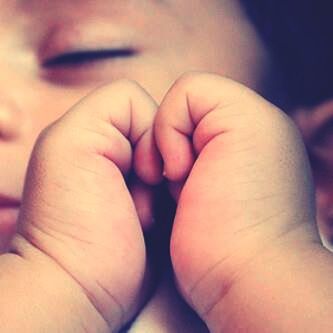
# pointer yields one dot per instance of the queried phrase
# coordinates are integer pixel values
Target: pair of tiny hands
(235, 164)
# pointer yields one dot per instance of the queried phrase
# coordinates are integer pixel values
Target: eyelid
(84, 56)
(74, 38)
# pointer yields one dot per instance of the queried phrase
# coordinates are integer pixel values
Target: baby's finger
(147, 159)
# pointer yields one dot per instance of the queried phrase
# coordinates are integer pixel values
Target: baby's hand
(78, 215)
(245, 217)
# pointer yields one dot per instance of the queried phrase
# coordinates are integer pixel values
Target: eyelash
(86, 56)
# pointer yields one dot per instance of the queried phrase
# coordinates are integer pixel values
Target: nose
(10, 119)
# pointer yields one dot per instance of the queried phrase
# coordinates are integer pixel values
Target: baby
(244, 232)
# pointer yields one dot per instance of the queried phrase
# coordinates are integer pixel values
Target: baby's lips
(8, 219)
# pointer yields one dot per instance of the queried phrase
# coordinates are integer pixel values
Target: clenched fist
(244, 234)
(78, 216)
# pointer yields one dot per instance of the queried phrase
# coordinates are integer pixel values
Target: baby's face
(52, 53)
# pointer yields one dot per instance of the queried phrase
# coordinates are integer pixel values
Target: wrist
(285, 290)
(42, 296)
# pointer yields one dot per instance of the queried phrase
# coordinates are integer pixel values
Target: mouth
(8, 202)
(9, 209)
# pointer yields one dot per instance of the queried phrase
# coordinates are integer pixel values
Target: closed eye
(87, 56)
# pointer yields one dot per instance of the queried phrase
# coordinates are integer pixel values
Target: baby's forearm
(291, 292)
(38, 296)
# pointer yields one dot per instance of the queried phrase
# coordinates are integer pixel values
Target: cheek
(47, 104)
(226, 42)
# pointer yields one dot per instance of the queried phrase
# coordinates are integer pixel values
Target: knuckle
(190, 78)
(288, 124)
(49, 133)
(60, 136)
(274, 123)
(123, 86)
(200, 78)
(210, 86)
(47, 141)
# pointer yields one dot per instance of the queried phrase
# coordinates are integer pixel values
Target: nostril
(10, 119)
